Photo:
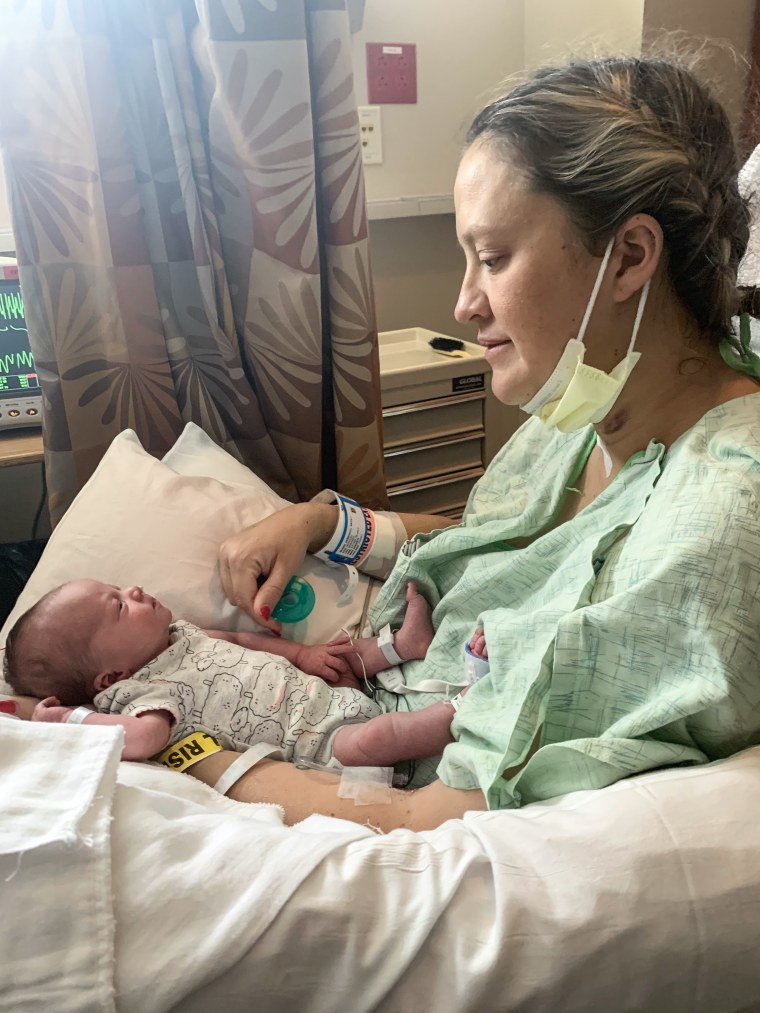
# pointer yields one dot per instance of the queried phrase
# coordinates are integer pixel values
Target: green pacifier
(297, 601)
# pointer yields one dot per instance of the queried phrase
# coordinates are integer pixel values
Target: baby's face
(126, 628)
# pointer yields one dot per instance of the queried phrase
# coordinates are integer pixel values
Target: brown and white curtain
(187, 203)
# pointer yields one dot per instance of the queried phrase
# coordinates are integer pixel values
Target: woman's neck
(671, 387)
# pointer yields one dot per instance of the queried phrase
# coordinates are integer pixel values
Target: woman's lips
(492, 349)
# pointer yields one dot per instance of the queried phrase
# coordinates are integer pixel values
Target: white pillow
(195, 453)
(139, 522)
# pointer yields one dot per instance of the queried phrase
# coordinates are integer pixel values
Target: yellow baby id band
(187, 751)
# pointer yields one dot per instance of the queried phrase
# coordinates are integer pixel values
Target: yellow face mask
(577, 394)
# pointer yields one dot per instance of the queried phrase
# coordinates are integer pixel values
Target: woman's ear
(637, 255)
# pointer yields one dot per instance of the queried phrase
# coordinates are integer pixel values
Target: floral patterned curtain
(187, 202)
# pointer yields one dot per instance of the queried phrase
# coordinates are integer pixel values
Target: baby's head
(81, 638)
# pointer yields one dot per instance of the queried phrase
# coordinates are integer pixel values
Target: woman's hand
(21, 706)
(256, 564)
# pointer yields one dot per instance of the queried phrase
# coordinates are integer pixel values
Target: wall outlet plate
(370, 130)
(391, 72)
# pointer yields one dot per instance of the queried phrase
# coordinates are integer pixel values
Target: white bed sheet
(644, 896)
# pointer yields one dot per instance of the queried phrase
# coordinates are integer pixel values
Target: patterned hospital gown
(628, 637)
(238, 695)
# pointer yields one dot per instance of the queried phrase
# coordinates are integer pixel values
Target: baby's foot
(416, 633)
(478, 644)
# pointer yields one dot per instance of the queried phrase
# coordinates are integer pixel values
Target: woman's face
(528, 276)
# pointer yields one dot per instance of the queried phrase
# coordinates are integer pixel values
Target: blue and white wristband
(367, 539)
(353, 533)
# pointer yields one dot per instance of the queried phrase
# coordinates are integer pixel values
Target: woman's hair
(613, 137)
(43, 660)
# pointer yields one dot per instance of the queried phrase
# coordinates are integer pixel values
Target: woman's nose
(471, 304)
(134, 592)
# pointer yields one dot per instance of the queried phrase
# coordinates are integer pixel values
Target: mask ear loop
(634, 334)
(595, 290)
(639, 315)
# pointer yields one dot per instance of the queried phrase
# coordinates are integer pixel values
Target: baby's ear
(105, 679)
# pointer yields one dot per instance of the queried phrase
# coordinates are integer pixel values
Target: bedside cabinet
(441, 423)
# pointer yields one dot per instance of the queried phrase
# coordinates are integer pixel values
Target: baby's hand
(478, 644)
(325, 660)
(50, 709)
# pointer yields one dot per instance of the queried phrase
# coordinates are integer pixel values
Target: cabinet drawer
(435, 458)
(440, 495)
(412, 423)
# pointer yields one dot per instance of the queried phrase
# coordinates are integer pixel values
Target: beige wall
(423, 293)
(723, 28)
(556, 30)
(417, 267)
(457, 65)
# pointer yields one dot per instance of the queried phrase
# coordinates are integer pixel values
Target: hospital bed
(132, 887)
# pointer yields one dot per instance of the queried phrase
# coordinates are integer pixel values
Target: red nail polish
(7, 706)
(266, 611)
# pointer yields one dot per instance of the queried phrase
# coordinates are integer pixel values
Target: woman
(612, 550)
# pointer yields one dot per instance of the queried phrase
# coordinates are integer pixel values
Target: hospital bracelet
(353, 534)
(183, 754)
(368, 539)
(78, 715)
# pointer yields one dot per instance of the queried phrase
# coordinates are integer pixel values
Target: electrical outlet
(371, 134)
(391, 72)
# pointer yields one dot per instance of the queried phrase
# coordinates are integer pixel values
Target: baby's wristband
(78, 715)
(385, 643)
(194, 747)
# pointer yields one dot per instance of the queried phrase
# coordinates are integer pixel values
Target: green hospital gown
(629, 635)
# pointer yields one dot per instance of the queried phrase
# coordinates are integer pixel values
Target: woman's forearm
(322, 518)
(320, 523)
(256, 564)
(302, 793)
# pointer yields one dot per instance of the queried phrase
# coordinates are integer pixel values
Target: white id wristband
(385, 643)
(244, 763)
(370, 540)
(78, 715)
(353, 533)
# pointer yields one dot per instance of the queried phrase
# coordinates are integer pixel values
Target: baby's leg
(391, 738)
(411, 641)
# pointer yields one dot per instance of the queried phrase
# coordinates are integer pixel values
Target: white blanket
(131, 887)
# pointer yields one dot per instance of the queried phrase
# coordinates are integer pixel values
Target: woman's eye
(491, 262)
